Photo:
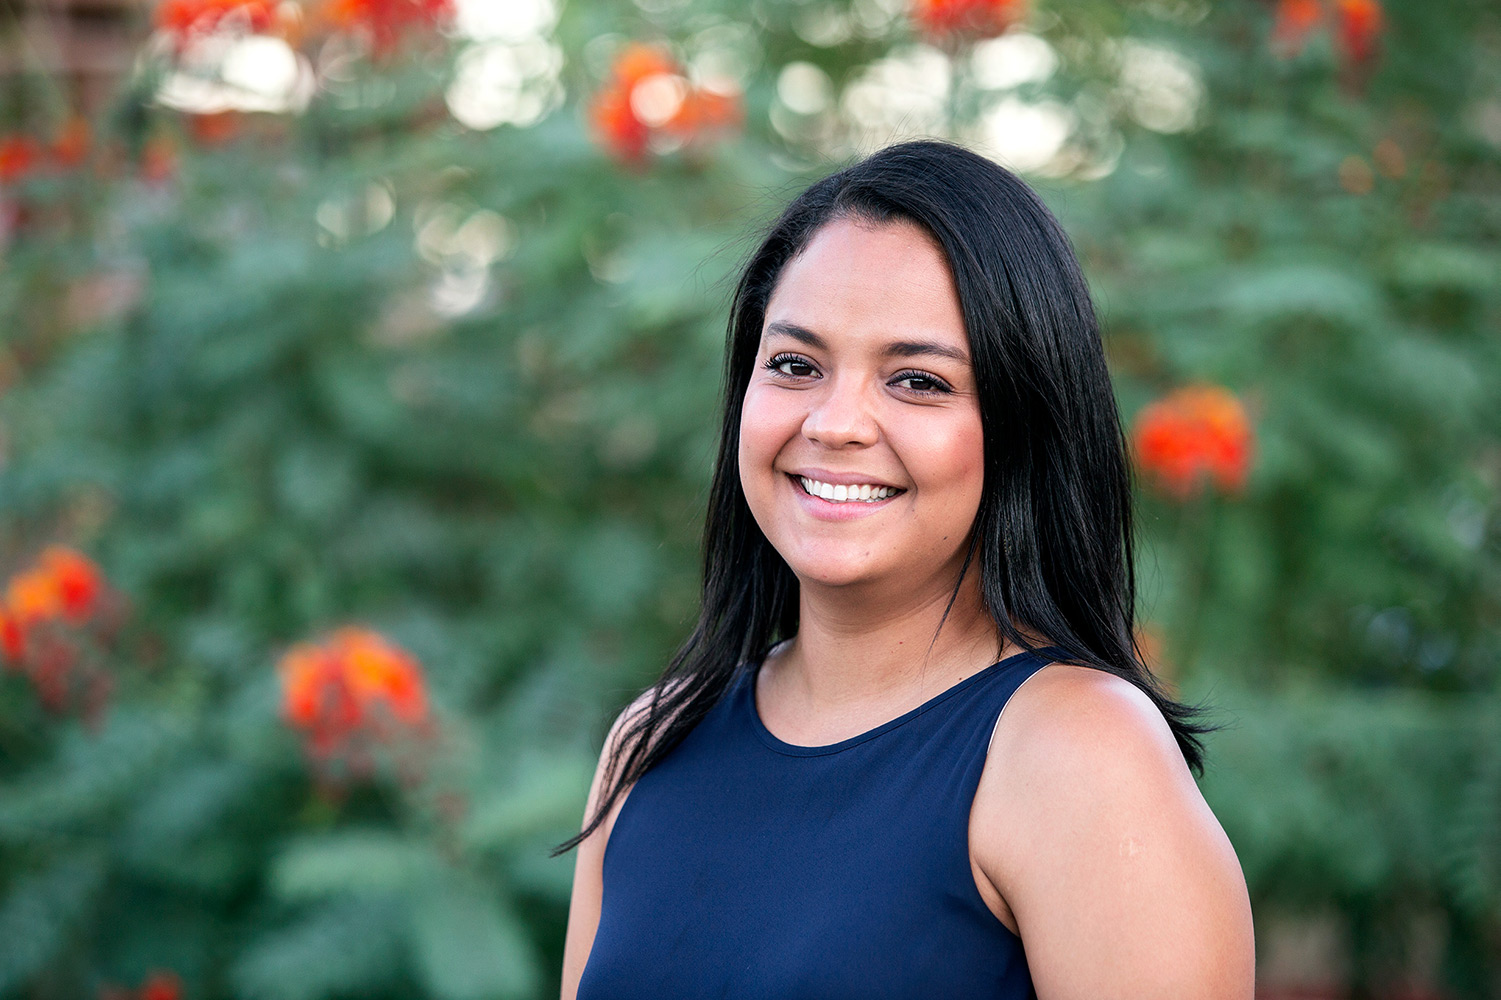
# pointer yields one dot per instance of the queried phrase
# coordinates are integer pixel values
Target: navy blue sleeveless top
(744, 867)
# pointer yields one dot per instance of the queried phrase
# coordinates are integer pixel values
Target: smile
(861, 493)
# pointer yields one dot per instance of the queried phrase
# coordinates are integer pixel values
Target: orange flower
(158, 160)
(63, 584)
(1358, 27)
(214, 129)
(12, 640)
(32, 596)
(158, 986)
(161, 986)
(18, 157)
(186, 19)
(705, 111)
(379, 673)
(355, 683)
(618, 119)
(616, 126)
(1296, 20)
(71, 144)
(78, 581)
(62, 587)
(385, 21)
(1195, 433)
(638, 62)
(968, 18)
(316, 699)
(648, 97)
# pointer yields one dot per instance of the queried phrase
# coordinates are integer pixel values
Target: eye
(922, 383)
(791, 365)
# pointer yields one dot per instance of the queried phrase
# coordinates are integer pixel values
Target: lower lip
(832, 510)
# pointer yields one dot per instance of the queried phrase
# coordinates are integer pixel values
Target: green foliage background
(281, 435)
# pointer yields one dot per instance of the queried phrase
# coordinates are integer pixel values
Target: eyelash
(941, 388)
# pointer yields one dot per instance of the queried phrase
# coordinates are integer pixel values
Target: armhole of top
(609, 826)
(997, 726)
(619, 808)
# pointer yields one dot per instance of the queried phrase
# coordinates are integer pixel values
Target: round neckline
(795, 750)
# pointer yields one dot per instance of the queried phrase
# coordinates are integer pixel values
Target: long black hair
(1052, 540)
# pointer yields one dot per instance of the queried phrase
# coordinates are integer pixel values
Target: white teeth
(866, 493)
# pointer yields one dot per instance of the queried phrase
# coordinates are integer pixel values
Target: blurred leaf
(190, 802)
(39, 912)
(1446, 265)
(469, 945)
(545, 796)
(1258, 294)
(92, 773)
(613, 567)
(348, 947)
(358, 861)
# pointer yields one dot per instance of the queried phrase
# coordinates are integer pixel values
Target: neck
(858, 647)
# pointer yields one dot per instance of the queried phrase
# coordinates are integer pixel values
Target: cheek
(765, 427)
(756, 451)
(950, 460)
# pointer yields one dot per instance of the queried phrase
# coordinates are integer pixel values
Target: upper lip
(842, 478)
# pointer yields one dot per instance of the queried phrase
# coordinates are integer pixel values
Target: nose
(841, 417)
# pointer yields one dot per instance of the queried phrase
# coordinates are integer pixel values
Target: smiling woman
(920, 517)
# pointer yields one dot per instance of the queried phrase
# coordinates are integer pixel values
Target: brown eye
(922, 383)
(791, 364)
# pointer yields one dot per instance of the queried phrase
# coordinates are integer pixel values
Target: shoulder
(625, 732)
(1083, 750)
(624, 726)
(1076, 745)
(638, 706)
(1089, 726)
(1091, 827)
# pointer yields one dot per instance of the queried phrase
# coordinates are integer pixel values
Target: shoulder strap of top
(1041, 657)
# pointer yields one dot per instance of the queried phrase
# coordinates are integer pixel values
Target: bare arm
(1122, 882)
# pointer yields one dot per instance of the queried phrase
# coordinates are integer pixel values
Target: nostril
(838, 426)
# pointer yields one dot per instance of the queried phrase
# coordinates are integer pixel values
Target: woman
(920, 516)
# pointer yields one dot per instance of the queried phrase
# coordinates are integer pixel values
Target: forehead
(870, 282)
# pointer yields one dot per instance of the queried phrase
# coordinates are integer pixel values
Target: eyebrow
(895, 349)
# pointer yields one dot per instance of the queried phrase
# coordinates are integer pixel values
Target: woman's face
(861, 450)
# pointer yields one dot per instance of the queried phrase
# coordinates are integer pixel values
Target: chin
(822, 567)
(824, 578)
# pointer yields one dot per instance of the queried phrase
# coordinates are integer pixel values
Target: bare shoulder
(1090, 826)
(640, 706)
(614, 746)
(1076, 744)
(1089, 725)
